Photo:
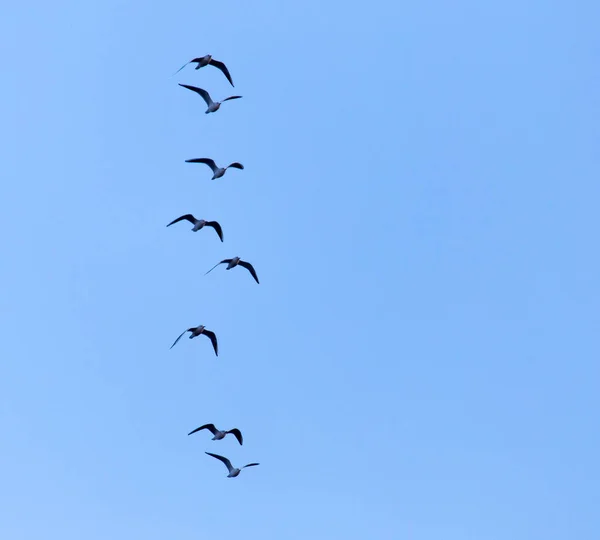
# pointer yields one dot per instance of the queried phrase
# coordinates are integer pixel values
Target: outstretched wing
(223, 459)
(223, 261)
(189, 217)
(231, 97)
(213, 338)
(206, 161)
(250, 269)
(238, 435)
(250, 465)
(210, 427)
(236, 165)
(203, 93)
(215, 225)
(223, 68)
(180, 336)
(183, 67)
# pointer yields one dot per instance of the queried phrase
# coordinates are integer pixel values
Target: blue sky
(420, 201)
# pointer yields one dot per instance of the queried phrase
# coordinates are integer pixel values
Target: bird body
(233, 471)
(202, 61)
(207, 60)
(218, 434)
(199, 224)
(236, 261)
(218, 172)
(213, 106)
(195, 332)
(233, 263)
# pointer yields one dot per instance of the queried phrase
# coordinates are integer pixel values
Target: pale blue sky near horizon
(420, 201)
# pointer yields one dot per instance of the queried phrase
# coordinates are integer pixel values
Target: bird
(199, 224)
(217, 171)
(233, 471)
(213, 106)
(196, 332)
(208, 60)
(218, 434)
(231, 263)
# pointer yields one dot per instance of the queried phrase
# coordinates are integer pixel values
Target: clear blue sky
(421, 203)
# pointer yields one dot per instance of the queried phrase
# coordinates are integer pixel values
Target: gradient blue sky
(420, 201)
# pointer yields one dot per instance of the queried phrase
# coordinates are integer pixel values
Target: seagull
(208, 60)
(233, 471)
(199, 224)
(235, 262)
(217, 171)
(196, 332)
(218, 434)
(213, 106)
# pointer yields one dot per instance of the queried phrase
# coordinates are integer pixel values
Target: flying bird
(233, 471)
(199, 224)
(213, 106)
(231, 263)
(195, 332)
(217, 171)
(218, 434)
(208, 60)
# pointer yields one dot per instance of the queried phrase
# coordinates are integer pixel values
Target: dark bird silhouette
(233, 471)
(199, 224)
(213, 106)
(218, 434)
(208, 60)
(236, 261)
(217, 171)
(195, 332)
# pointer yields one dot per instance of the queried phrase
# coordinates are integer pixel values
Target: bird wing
(180, 336)
(238, 435)
(215, 225)
(250, 269)
(213, 338)
(223, 459)
(183, 67)
(203, 93)
(206, 161)
(236, 165)
(230, 97)
(223, 261)
(210, 427)
(189, 217)
(221, 66)
(250, 465)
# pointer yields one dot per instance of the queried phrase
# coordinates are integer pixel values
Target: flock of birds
(198, 224)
